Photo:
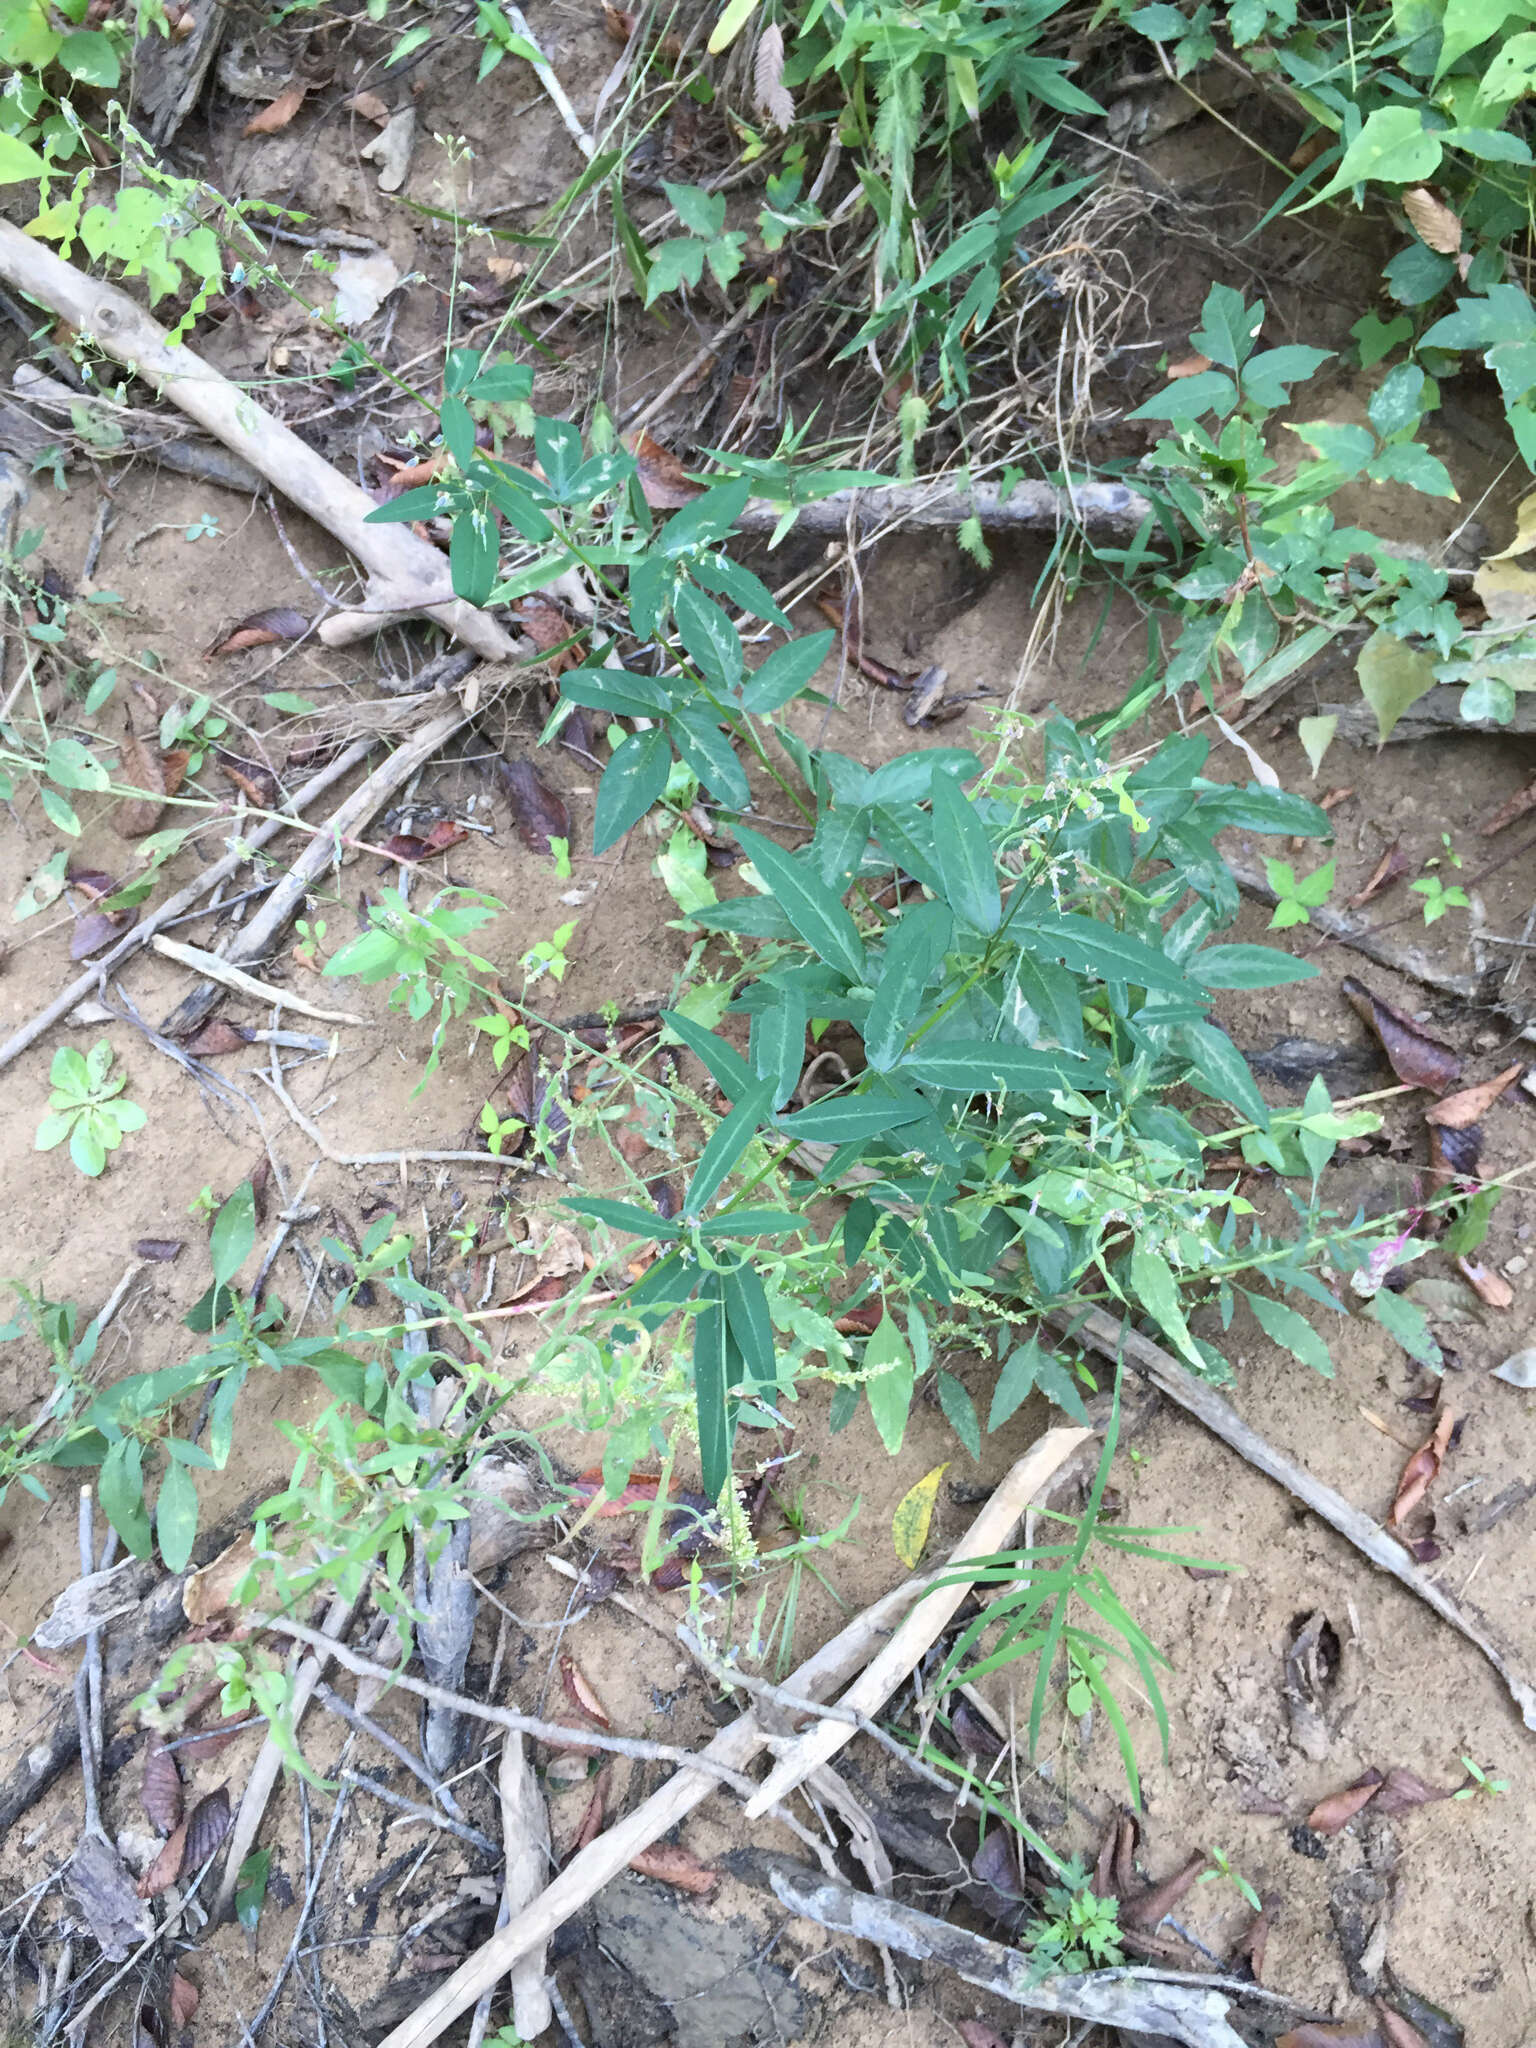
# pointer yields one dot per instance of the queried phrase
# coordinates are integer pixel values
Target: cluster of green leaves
(40, 44)
(1263, 574)
(88, 1107)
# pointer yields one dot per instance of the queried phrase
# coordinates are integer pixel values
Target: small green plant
(311, 933)
(203, 1204)
(1074, 1931)
(1431, 885)
(88, 1107)
(1483, 1785)
(499, 1131)
(1223, 1869)
(1297, 897)
(681, 261)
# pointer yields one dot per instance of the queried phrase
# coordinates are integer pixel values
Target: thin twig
(90, 1755)
(428, 1815)
(217, 969)
(366, 1725)
(317, 1137)
(268, 2004)
(517, 21)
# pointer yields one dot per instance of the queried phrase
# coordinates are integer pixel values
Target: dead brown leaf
(1332, 1813)
(371, 107)
(166, 1868)
(185, 1999)
(1392, 867)
(1513, 807)
(1189, 366)
(862, 1321)
(411, 846)
(207, 1825)
(1255, 1938)
(97, 928)
(1470, 1105)
(160, 1791)
(591, 1824)
(547, 627)
(670, 1863)
(663, 480)
(580, 1694)
(263, 629)
(1453, 1155)
(1320, 2034)
(1404, 1790)
(977, 2034)
(1433, 221)
(1396, 2031)
(1491, 1288)
(142, 765)
(619, 22)
(279, 113)
(210, 1592)
(408, 476)
(163, 1249)
(253, 778)
(505, 269)
(217, 1038)
(1156, 1903)
(1421, 1470)
(539, 813)
(1415, 1057)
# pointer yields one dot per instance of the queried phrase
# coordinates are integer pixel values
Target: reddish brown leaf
(263, 629)
(672, 1864)
(173, 769)
(1392, 867)
(408, 476)
(538, 812)
(1453, 1155)
(1255, 1940)
(403, 846)
(1433, 221)
(1490, 1288)
(137, 816)
(92, 883)
(546, 626)
(216, 1038)
(371, 107)
(1415, 1058)
(161, 1787)
(1155, 1904)
(862, 1321)
(166, 1868)
(664, 1193)
(97, 928)
(663, 480)
(185, 1999)
(279, 113)
(580, 1693)
(1403, 1790)
(1470, 1105)
(255, 778)
(1421, 1470)
(619, 22)
(1395, 2030)
(1189, 366)
(211, 1742)
(163, 1249)
(1332, 1813)
(977, 2034)
(592, 1820)
(1319, 2034)
(207, 1825)
(1513, 807)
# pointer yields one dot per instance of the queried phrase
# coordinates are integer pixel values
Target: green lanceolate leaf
(1157, 1292)
(1249, 967)
(711, 1367)
(1098, 949)
(176, 1517)
(992, 1068)
(1286, 1327)
(731, 1138)
(724, 1062)
(842, 1119)
(964, 855)
(913, 953)
(750, 1325)
(233, 1234)
(778, 1044)
(888, 1381)
(632, 781)
(811, 907)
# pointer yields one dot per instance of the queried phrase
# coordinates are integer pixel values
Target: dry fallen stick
(602, 1860)
(922, 1628)
(1192, 2010)
(177, 906)
(219, 969)
(1114, 1340)
(318, 1139)
(406, 574)
(525, 1832)
(1029, 507)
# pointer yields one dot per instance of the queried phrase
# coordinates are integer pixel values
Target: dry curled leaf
(547, 627)
(672, 1864)
(862, 1321)
(1392, 867)
(1453, 1155)
(539, 812)
(254, 779)
(1470, 1105)
(279, 113)
(216, 1038)
(1189, 366)
(143, 767)
(1415, 1057)
(263, 629)
(1422, 1470)
(1332, 1813)
(210, 1592)
(1432, 221)
(770, 95)
(166, 1868)
(620, 22)
(97, 928)
(1404, 1790)
(185, 1999)
(1490, 1288)
(371, 107)
(411, 846)
(160, 1790)
(663, 480)
(162, 1249)
(1512, 808)
(207, 1825)
(1255, 1939)
(1159, 1900)
(580, 1694)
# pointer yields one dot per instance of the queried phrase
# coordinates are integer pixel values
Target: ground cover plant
(945, 1076)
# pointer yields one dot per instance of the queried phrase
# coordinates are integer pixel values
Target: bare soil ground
(1450, 1883)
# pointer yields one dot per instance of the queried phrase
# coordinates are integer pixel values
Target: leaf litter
(1417, 1059)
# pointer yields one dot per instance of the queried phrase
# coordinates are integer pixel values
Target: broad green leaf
(1098, 949)
(74, 766)
(1218, 1069)
(710, 755)
(812, 908)
(1411, 463)
(472, 556)
(730, 1139)
(252, 1891)
(709, 637)
(1285, 1326)
(1187, 398)
(778, 1044)
(913, 953)
(233, 1234)
(785, 673)
(732, 21)
(120, 1489)
(1249, 967)
(1015, 1382)
(724, 1062)
(1157, 1292)
(622, 1215)
(1392, 677)
(1228, 329)
(750, 1324)
(632, 782)
(888, 1381)
(1405, 1321)
(914, 1518)
(960, 1412)
(1316, 736)
(1393, 148)
(841, 1119)
(176, 1517)
(993, 1067)
(964, 854)
(711, 1371)
(20, 165)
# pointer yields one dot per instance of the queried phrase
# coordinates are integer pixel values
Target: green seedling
(88, 1107)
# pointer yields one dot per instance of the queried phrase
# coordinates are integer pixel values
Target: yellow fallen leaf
(1508, 592)
(1525, 531)
(730, 25)
(914, 1517)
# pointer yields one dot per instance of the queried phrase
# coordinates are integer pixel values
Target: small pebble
(1516, 1265)
(1485, 1041)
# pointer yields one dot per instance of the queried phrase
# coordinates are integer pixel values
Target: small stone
(1485, 1041)
(1516, 1265)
